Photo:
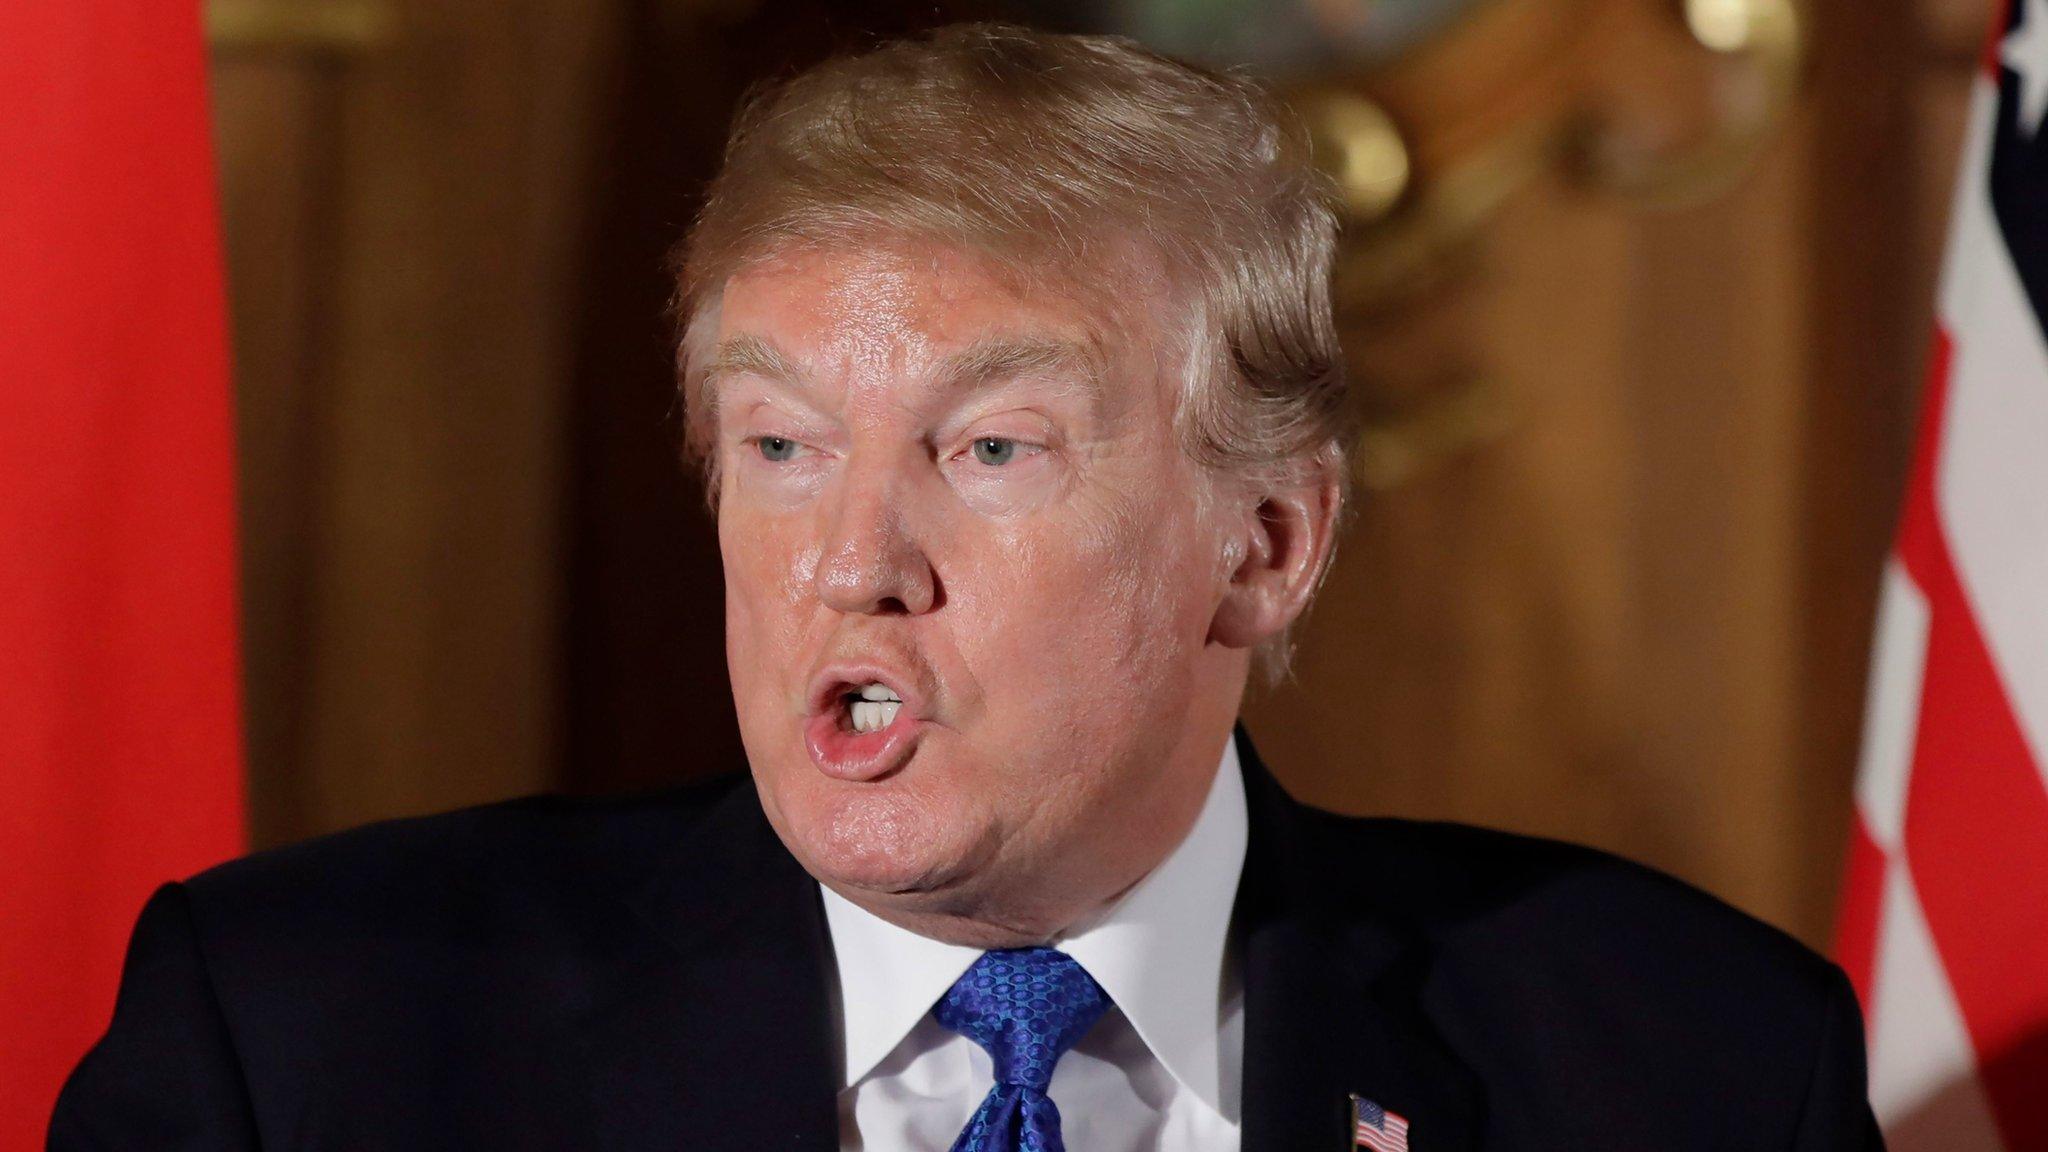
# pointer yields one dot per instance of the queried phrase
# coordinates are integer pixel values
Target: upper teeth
(876, 708)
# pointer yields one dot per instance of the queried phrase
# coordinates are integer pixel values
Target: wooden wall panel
(1641, 621)
(272, 120)
(402, 215)
(1582, 631)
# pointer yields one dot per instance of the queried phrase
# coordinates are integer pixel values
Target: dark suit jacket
(655, 975)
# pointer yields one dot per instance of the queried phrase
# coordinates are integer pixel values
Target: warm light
(1360, 146)
(1722, 25)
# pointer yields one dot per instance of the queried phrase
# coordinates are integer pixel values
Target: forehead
(904, 307)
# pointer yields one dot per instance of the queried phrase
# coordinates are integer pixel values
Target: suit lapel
(1333, 998)
(719, 1032)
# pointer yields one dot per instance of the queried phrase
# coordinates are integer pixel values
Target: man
(1010, 361)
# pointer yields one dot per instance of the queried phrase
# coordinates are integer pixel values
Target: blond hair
(1051, 154)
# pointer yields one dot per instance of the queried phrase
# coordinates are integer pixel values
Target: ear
(1289, 537)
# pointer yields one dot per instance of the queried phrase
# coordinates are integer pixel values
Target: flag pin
(1375, 1128)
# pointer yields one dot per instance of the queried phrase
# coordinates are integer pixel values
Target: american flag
(1376, 1128)
(1945, 919)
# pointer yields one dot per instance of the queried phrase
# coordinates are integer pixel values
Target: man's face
(970, 579)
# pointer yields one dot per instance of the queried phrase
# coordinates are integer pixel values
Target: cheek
(1101, 604)
(1137, 568)
(770, 566)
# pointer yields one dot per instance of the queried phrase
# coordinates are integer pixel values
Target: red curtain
(120, 743)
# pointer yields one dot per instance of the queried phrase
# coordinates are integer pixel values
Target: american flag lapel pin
(1376, 1128)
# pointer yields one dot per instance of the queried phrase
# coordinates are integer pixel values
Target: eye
(775, 447)
(994, 451)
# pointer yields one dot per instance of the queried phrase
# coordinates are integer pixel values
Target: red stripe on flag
(119, 719)
(1977, 819)
(1862, 902)
(2001, 19)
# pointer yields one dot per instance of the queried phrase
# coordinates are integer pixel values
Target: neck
(1050, 904)
(988, 924)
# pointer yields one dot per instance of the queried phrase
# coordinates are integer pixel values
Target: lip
(859, 757)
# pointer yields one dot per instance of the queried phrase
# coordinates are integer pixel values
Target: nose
(873, 563)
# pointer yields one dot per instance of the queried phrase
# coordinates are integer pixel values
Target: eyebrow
(752, 356)
(1003, 359)
(988, 362)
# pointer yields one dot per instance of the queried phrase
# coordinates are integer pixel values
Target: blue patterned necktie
(1025, 1007)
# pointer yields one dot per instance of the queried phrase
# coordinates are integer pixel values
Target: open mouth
(869, 708)
(858, 728)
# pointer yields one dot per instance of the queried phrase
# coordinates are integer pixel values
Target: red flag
(120, 745)
(1945, 922)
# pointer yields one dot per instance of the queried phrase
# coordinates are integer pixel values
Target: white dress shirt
(1161, 1070)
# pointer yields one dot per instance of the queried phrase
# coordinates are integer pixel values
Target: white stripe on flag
(1891, 719)
(1922, 1069)
(1993, 486)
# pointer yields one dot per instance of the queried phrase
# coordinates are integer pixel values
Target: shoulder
(529, 859)
(1545, 929)
(1579, 984)
(447, 955)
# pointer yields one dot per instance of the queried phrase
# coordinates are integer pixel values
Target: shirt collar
(1158, 952)
(889, 977)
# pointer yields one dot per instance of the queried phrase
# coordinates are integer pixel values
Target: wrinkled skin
(1064, 599)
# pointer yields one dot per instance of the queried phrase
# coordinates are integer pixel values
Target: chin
(881, 839)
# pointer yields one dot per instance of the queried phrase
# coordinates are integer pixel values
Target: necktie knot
(1025, 1007)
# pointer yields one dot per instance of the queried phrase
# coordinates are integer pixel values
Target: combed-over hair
(1052, 154)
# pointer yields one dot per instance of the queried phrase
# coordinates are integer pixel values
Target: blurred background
(1636, 294)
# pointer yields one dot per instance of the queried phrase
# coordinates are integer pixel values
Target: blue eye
(995, 451)
(775, 447)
